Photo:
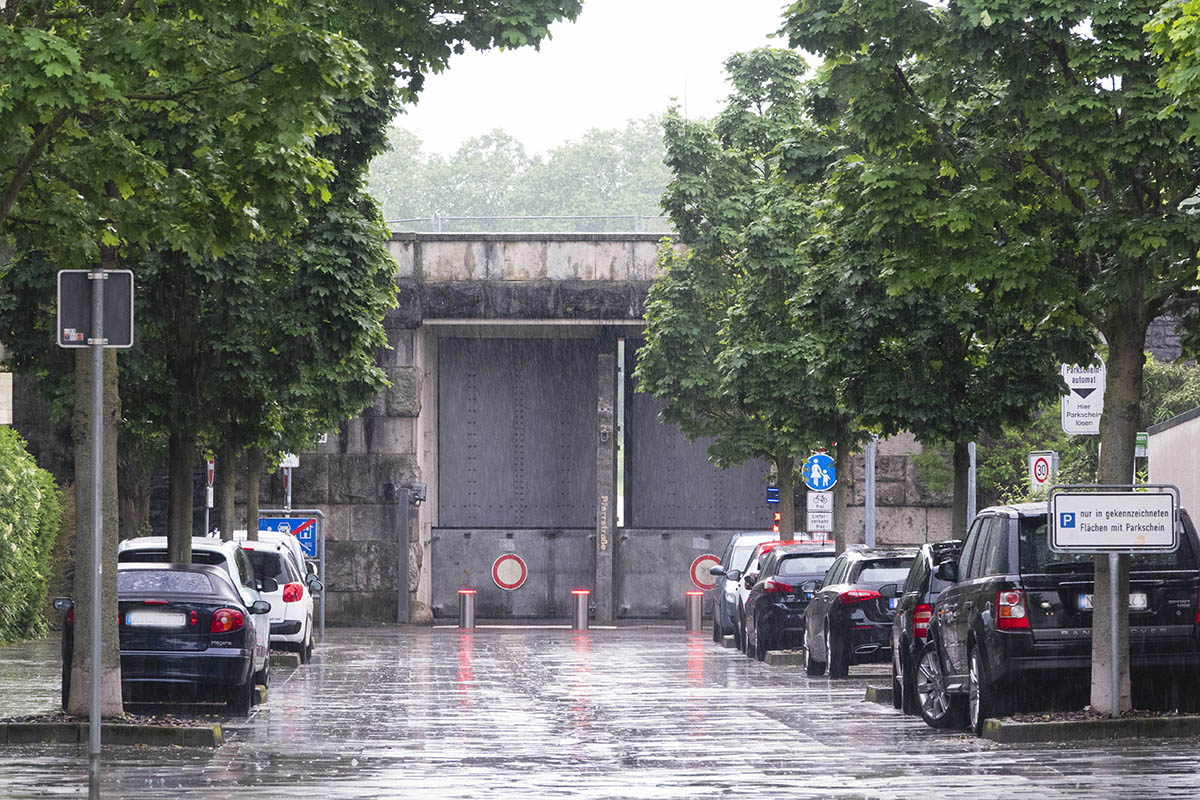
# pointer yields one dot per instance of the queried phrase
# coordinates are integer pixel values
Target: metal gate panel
(516, 433)
(670, 482)
(557, 562)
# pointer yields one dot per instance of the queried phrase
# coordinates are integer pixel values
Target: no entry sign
(509, 571)
(700, 568)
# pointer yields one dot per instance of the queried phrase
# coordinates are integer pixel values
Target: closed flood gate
(517, 473)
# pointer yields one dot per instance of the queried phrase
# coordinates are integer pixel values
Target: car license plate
(892, 603)
(155, 619)
(1137, 601)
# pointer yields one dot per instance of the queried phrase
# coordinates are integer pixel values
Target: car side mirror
(315, 585)
(716, 571)
(889, 590)
(734, 574)
(63, 604)
(750, 579)
(260, 606)
(809, 586)
(947, 571)
(310, 568)
(268, 585)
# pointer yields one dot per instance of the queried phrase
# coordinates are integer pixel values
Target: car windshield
(806, 564)
(1036, 556)
(741, 555)
(269, 565)
(884, 570)
(163, 580)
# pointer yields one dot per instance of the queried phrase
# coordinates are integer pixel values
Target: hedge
(30, 514)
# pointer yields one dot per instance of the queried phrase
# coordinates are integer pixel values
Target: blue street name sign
(772, 494)
(303, 528)
(818, 472)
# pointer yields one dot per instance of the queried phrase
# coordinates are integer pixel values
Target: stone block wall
(906, 511)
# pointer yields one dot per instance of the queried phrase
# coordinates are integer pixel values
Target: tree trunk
(255, 462)
(133, 487)
(958, 507)
(226, 480)
(1126, 336)
(181, 460)
(785, 479)
(85, 569)
(843, 537)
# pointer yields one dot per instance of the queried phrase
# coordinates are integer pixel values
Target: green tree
(1032, 139)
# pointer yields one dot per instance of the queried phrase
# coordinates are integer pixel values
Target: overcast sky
(622, 59)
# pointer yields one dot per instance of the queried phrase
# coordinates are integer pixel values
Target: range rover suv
(1019, 614)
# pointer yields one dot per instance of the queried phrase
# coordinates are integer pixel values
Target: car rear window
(269, 565)
(741, 556)
(814, 564)
(1036, 556)
(164, 580)
(884, 570)
(141, 556)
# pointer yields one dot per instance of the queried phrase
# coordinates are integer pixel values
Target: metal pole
(97, 344)
(466, 609)
(1114, 560)
(972, 501)
(287, 488)
(321, 566)
(579, 609)
(693, 611)
(403, 509)
(869, 511)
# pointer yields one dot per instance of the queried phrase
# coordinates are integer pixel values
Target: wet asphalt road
(643, 712)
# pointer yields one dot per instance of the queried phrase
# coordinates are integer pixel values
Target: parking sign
(303, 528)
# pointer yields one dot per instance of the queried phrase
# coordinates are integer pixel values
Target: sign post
(1113, 520)
(820, 476)
(209, 472)
(98, 302)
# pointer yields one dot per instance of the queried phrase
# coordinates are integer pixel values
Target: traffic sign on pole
(1083, 404)
(74, 325)
(818, 472)
(1043, 465)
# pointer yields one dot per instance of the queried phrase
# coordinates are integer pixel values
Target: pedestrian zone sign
(818, 472)
(303, 528)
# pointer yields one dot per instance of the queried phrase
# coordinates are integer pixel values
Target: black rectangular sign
(75, 308)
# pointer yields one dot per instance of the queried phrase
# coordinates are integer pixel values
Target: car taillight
(293, 592)
(773, 586)
(71, 617)
(858, 595)
(225, 620)
(1010, 611)
(193, 617)
(922, 615)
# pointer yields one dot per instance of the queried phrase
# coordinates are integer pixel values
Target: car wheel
(717, 635)
(908, 698)
(241, 698)
(740, 631)
(305, 648)
(897, 680)
(760, 643)
(838, 654)
(309, 649)
(937, 707)
(263, 676)
(812, 667)
(983, 701)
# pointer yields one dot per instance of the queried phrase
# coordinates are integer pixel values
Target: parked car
(234, 560)
(913, 613)
(724, 592)
(184, 634)
(847, 621)
(775, 605)
(289, 540)
(746, 581)
(291, 614)
(1019, 615)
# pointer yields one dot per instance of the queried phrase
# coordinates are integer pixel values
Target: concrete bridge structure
(512, 402)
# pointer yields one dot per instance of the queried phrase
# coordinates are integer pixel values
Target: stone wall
(906, 512)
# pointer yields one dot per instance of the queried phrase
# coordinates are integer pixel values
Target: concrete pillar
(606, 481)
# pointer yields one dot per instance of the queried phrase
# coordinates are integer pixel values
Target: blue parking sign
(303, 528)
(1066, 519)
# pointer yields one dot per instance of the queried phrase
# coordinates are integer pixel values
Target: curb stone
(279, 659)
(728, 642)
(1011, 732)
(879, 694)
(791, 658)
(111, 733)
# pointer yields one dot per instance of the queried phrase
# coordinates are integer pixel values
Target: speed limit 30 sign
(1043, 466)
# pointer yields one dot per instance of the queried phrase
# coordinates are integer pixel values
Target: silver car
(724, 593)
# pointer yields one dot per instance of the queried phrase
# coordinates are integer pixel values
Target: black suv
(913, 613)
(1019, 614)
(847, 621)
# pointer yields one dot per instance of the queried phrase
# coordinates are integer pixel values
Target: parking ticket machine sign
(303, 528)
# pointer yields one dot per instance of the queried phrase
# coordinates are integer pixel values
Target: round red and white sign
(1041, 470)
(700, 568)
(509, 571)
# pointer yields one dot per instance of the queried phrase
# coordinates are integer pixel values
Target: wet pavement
(638, 712)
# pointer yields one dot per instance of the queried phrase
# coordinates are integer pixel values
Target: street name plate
(820, 521)
(1121, 522)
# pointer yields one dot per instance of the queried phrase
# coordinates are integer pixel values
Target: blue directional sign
(772, 494)
(303, 528)
(818, 472)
